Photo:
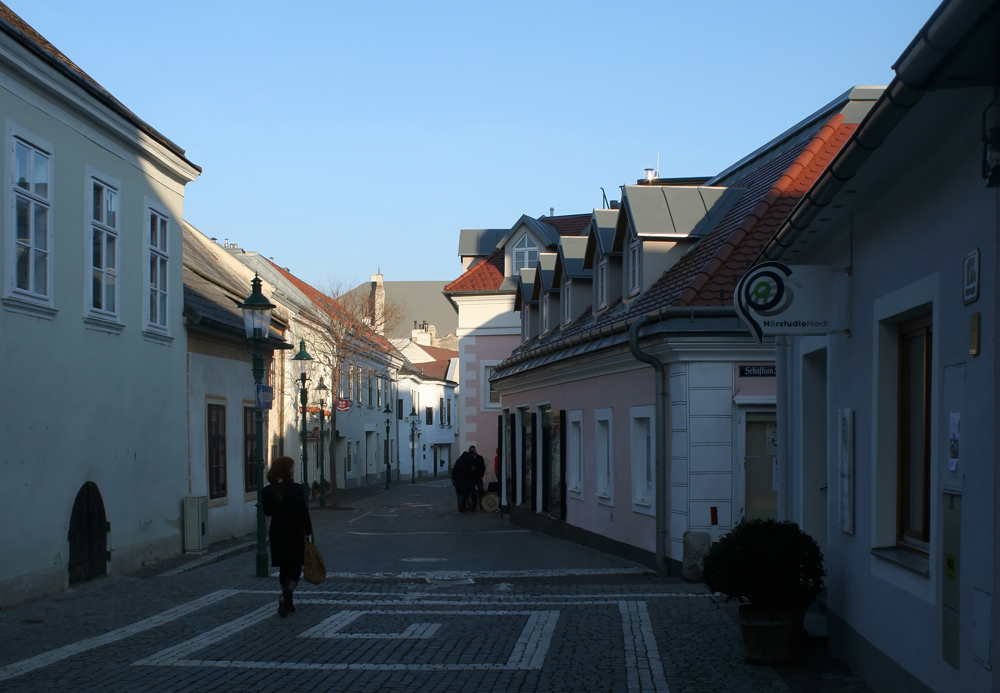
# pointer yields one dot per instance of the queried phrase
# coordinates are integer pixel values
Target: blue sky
(343, 137)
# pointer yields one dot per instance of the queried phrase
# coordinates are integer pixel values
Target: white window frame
(484, 366)
(634, 267)
(574, 454)
(524, 323)
(642, 451)
(95, 177)
(602, 283)
(566, 308)
(27, 300)
(522, 254)
(544, 327)
(921, 296)
(604, 456)
(162, 254)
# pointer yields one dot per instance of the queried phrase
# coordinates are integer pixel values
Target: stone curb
(211, 558)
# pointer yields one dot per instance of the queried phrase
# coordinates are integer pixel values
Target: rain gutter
(917, 70)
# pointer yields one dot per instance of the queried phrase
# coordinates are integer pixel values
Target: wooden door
(88, 535)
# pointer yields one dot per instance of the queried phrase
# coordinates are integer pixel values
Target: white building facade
(93, 431)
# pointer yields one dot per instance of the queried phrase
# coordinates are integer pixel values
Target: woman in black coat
(284, 501)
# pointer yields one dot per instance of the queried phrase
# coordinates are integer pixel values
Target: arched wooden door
(88, 535)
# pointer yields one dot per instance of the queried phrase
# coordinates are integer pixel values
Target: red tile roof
(438, 353)
(434, 369)
(485, 276)
(331, 306)
(708, 274)
(716, 280)
(569, 224)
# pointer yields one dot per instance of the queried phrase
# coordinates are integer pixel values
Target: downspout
(661, 440)
(783, 376)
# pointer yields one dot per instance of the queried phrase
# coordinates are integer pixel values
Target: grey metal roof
(479, 242)
(543, 231)
(663, 211)
(572, 251)
(600, 240)
(213, 293)
(418, 301)
(543, 275)
(525, 287)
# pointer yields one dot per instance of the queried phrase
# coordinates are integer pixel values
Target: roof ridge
(780, 187)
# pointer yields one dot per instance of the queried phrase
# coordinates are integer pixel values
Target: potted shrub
(778, 569)
(315, 487)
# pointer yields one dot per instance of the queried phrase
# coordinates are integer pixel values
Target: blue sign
(265, 393)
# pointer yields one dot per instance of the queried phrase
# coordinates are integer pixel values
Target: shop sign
(778, 299)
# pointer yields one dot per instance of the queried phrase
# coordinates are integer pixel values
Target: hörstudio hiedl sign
(757, 371)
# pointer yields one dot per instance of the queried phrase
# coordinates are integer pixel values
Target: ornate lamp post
(257, 319)
(303, 358)
(388, 457)
(321, 389)
(412, 418)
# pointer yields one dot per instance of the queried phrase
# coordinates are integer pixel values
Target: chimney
(420, 335)
(614, 204)
(552, 211)
(376, 303)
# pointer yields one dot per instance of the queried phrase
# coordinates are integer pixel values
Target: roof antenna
(657, 164)
(604, 197)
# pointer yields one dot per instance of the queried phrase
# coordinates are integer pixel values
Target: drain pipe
(661, 440)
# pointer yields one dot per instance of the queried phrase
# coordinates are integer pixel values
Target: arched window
(525, 254)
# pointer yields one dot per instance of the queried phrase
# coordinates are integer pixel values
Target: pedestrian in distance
(284, 502)
(461, 479)
(478, 465)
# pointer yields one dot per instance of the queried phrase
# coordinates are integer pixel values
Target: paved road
(397, 613)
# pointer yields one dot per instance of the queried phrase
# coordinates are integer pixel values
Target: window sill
(26, 307)
(906, 559)
(605, 499)
(157, 337)
(576, 493)
(101, 324)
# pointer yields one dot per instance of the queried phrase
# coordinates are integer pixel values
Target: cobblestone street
(397, 613)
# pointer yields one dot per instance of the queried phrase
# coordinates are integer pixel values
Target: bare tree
(349, 331)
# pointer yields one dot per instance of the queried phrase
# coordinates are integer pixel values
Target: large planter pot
(771, 635)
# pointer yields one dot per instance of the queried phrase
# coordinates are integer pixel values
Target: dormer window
(525, 254)
(634, 258)
(567, 311)
(544, 327)
(602, 283)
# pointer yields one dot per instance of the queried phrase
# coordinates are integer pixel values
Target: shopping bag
(315, 569)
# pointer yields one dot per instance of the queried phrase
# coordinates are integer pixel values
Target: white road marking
(529, 650)
(393, 534)
(355, 519)
(488, 574)
(643, 668)
(170, 654)
(52, 656)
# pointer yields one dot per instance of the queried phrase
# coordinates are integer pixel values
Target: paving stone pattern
(543, 615)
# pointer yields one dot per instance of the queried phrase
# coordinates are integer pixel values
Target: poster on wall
(954, 420)
(845, 468)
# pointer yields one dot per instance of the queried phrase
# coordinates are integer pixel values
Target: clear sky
(339, 137)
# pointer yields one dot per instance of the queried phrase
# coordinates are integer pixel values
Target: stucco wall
(616, 518)
(82, 404)
(918, 211)
(478, 424)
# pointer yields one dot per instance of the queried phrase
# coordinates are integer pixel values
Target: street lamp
(388, 465)
(322, 390)
(412, 418)
(257, 319)
(303, 358)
